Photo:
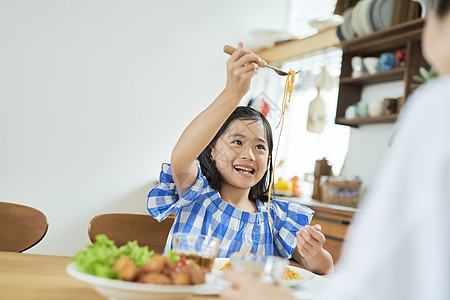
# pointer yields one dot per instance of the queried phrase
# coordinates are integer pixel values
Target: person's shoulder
(434, 95)
(427, 108)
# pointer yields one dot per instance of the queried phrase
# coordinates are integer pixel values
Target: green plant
(425, 75)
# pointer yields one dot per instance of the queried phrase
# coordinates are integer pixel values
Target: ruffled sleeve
(288, 218)
(164, 198)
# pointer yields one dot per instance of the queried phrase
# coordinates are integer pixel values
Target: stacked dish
(366, 17)
(346, 27)
(381, 13)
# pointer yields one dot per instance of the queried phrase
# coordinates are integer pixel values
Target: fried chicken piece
(155, 278)
(126, 268)
(157, 264)
(197, 276)
(180, 278)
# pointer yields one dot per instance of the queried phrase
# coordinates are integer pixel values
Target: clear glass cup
(269, 269)
(202, 249)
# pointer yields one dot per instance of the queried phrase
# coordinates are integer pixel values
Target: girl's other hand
(246, 287)
(241, 67)
(310, 240)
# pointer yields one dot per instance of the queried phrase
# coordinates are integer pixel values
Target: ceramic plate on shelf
(347, 30)
(383, 13)
(355, 19)
(339, 32)
(372, 15)
(118, 290)
(365, 17)
(360, 17)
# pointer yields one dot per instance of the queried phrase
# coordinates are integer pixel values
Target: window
(303, 11)
(299, 148)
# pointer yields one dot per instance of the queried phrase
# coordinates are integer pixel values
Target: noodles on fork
(288, 88)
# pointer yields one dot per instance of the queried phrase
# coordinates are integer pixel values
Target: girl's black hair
(441, 7)
(208, 166)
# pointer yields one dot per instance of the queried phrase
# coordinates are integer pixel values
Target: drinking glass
(199, 248)
(268, 269)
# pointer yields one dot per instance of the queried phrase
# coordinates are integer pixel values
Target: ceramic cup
(372, 64)
(400, 58)
(361, 109)
(350, 112)
(357, 66)
(387, 61)
(374, 108)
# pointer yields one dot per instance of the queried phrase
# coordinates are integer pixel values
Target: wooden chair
(124, 227)
(21, 227)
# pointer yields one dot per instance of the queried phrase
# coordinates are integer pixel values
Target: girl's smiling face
(241, 154)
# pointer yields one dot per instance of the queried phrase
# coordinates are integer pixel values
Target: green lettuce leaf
(137, 254)
(172, 256)
(98, 257)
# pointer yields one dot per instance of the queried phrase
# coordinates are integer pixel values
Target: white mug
(372, 64)
(375, 108)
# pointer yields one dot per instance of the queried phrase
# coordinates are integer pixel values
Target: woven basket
(341, 192)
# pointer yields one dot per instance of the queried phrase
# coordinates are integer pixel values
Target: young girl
(218, 180)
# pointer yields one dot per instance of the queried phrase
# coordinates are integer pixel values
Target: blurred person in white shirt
(399, 244)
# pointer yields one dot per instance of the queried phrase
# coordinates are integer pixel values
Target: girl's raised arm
(241, 67)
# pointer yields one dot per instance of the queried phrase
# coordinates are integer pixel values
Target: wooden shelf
(383, 40)
(405, 36)
(324, 39)
(367, 120)
(385, 76)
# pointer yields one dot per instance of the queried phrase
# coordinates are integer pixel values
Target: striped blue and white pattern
(202, 211)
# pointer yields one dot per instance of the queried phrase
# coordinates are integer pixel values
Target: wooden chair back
(21, 227)
(124, 227)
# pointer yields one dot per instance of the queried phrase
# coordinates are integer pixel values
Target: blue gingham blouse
(201, 211)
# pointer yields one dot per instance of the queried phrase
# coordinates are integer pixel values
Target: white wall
(94, 94)
(369, 143)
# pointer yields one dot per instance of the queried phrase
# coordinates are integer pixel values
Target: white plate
(347, 30)
(357, 19)
(372, 14)
(366, 17)
(306, 275)
(218, 264)
(362, 16)
(383, 13)
(117, 289)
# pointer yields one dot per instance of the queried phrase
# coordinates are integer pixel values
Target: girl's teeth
(245, 170)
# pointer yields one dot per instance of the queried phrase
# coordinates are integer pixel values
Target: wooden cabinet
(404, 36)
(334, 219)
(335, 223)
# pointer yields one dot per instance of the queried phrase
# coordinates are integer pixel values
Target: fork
(262, 63)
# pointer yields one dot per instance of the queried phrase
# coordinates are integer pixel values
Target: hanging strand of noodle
(288, 88)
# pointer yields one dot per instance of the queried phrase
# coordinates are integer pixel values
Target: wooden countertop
(323, 207)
